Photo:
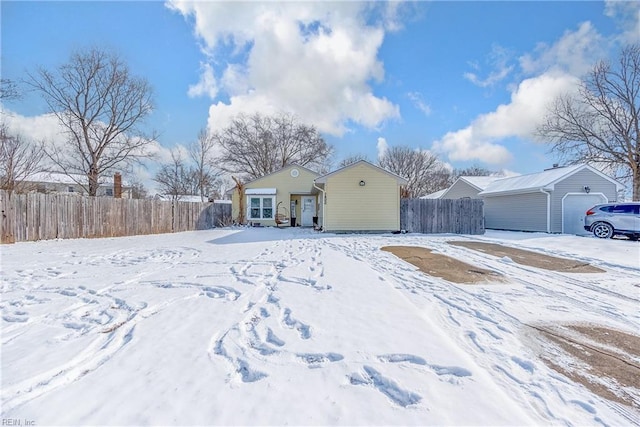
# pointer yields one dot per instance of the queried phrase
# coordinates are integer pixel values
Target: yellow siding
(285, 185)
(372, 207)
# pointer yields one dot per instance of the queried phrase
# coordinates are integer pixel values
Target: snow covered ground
(281, 326)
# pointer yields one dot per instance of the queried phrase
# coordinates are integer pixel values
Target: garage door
(573, 208)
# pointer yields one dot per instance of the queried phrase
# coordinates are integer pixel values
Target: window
(625, 209)
(70, 189)
(261, 207)
(109, 192)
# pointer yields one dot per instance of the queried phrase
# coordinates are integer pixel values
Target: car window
(624, 209)
(608, 208)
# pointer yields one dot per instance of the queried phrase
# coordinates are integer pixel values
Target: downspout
(542, 190)
(324, 211)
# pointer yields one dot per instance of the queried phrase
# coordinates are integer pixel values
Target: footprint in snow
(221, 292)
(386, 386)
(400, 357)
(318, 360)
(303, 329)
(273, 338)
(456, 371)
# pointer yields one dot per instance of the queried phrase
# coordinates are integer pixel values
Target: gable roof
(477, 182)
(281, 170)
(480, 182)
(435, 195)
(540, 181)
(70, 179)
(323, 178)
(232, 189)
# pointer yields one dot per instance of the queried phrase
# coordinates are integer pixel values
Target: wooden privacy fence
(460, 216)
(36, 216)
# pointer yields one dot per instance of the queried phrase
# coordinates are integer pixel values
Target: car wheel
(602, 230)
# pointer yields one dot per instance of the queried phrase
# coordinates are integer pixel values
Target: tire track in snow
(497, 326)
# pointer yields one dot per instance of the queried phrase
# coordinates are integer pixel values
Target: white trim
(261, 208)
(323, 204)
(258, 191)
(548, 209)
(602, 196)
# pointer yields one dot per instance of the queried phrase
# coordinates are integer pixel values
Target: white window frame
(262, 207)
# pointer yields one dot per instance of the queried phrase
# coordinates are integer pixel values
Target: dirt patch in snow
(442, 266)
(532, 259)
(605, 361)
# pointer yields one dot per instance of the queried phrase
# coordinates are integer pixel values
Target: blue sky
(466, 80)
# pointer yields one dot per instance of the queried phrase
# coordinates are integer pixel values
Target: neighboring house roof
(71, 179)
(323, 178)
(480, 182)
(181, 198)
(477, 182)
(539, 181)
(435, 195)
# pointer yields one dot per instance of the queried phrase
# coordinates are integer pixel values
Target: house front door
(308, 210)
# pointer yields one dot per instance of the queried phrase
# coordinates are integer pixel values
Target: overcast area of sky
(466, 80)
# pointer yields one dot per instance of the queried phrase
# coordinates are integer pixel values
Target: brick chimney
(117, 185)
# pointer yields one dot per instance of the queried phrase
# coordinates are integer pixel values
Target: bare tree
(352, 159)
(138, 190)
(600, 124)
(100, 105)
(19, 159)
(240, 190)
(474, 170)
(174, 178)
(421, 168)
(8, 90)
(205, 172)
(256, 145)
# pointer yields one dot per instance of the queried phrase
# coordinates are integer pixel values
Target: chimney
(117, 185)
(555, 165)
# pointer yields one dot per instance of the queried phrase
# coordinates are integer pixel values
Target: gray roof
(435, 195)
(480, 182)
(539, 181)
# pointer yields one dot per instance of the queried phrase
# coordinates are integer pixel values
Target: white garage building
(552, 201)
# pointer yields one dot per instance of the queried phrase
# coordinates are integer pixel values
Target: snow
(530, 182)
(436, 195)
(267, 326)
(480, 182)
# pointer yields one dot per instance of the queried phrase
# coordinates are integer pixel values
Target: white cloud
(574, 53)
(315, 59)
(207, 84)
(498, 59)
(519, 118)
(627, 15)
(419, 103)
(47, 129)
(382, 147)
(554, 69)
(36, 128)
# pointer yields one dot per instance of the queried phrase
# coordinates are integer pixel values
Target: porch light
(587, 189)
(362, 183)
